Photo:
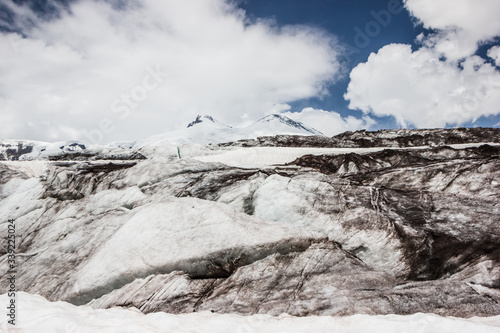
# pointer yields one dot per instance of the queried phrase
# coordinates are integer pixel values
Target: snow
(37, 315)
(29, 168)
(44, 149)
(208, 130)
(199, 134)
(255, 157)
(274, 124)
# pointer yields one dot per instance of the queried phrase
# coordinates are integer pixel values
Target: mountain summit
(274, 124)
(206, 119)
(206, 129)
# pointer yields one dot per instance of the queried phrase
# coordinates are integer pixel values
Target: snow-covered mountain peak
(206, 119)
(207, 129)
(278, 124)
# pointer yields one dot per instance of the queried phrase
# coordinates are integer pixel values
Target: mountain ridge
(399, 138)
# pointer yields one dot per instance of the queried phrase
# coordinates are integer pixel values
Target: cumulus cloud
(330, 123)
(461, 24)
(420, 90)
(105, 72)
(442, 83)
(494, 53)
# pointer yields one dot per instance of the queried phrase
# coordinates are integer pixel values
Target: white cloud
(328, 122)
(462, 23)
(494, 53)
(423, 89)
(418, 89)
(92, 69)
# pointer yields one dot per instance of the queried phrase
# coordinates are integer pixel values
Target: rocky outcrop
(64, 151)
(12, 151)
(393, 231)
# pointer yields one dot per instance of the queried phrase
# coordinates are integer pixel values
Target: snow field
(37, 315)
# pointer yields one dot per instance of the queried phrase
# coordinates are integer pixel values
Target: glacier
(396, 228)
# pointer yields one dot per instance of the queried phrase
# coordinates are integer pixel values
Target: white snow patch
(29, 168)
(37, 315)
(256, 157)
(207, 130)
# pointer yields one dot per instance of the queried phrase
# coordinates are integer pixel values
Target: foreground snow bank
(36, 314)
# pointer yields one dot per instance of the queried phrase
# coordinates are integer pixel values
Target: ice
(302, 202)
(107, 200)
(128, 223)
(23, 199)
(185, 234)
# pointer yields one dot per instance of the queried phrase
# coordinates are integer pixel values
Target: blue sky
(124, 69)
(345, 19)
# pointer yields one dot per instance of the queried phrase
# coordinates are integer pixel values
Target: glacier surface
(367, 223)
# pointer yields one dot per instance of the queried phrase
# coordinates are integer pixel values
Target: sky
(120, 70)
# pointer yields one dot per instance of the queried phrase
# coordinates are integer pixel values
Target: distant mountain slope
(206, 129)
(274, 124)
(202, 130)
(14, 150)
(393, 138)
(206, 119)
